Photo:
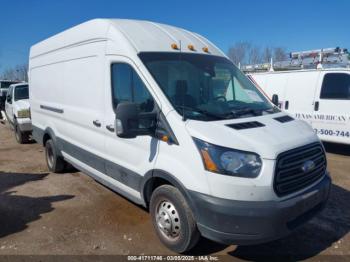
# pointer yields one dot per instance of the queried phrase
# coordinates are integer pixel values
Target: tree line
(18, 73)
(244, 52)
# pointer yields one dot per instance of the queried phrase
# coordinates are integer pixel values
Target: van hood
(22, 104)
(268, 139)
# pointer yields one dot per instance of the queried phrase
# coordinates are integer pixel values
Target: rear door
(300, 94)
(332, 107)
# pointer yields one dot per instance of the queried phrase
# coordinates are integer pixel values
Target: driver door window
(128, 87)
(336, 86)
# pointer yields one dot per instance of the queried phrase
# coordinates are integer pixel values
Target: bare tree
(19, 72)
(245, 53)
(9, 74)
(238, 52)
(279, 53)
(22, 72)
(254, 55)
(267, 54)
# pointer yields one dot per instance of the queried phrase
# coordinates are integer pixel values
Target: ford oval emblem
(308, 166)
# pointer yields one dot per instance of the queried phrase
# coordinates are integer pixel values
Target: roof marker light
(174, 46)
(205, 49)
(191, 47)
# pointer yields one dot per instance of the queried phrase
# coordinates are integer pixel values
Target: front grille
(290, 175)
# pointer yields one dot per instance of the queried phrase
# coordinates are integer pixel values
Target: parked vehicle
(160, 115)
(321, 97)
(17, 110)
(4, 85)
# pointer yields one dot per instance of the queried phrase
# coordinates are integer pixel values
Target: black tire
(188, 234)
(55, 163)
(21, 137)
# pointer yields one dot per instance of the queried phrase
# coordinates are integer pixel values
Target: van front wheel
(173, 220)
(55, 163)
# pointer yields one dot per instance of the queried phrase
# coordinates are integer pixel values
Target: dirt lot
(44, 213)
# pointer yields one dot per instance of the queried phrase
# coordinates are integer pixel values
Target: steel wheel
(50, 156)
(168, 220)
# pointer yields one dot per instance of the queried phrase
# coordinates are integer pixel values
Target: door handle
(110, 128)
(316, 106)
(96, 123)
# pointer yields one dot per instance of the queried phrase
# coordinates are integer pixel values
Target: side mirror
(130, 122)
(8, 99)
(275, 100)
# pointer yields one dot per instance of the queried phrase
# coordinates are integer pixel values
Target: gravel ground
(70, 214)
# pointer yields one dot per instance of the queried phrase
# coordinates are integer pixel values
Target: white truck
(17, 110)
(4, 86)
(320, 96)
(161, 116)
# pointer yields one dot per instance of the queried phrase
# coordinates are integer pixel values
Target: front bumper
(253, 222)
(24, 124)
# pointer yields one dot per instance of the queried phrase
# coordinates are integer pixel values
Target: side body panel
(300, 94)
(272, 84)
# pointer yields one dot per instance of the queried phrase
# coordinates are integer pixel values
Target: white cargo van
(320, 97)
(161, 116)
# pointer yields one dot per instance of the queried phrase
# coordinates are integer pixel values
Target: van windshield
(205, 87)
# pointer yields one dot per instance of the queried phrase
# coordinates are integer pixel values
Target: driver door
(128, 159)
(9, 104)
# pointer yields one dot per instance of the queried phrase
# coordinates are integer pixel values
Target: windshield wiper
(271, 110)
(244, 111)
(198, 110)
(256, 112)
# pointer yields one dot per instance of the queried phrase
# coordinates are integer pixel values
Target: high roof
(141, 35)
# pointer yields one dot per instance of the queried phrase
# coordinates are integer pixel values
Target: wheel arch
(50, 134)
(156, 178)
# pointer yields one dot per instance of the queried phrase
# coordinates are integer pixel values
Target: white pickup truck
(17, 110)
(4, 86)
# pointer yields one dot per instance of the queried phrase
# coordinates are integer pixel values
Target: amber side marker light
(165, 138)
(205, 49)
(174, 46)
(209, 163)
(191, 47)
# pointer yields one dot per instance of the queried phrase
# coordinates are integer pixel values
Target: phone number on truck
(330, 132)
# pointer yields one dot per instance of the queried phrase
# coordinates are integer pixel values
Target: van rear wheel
(173, 220)
(55, 163)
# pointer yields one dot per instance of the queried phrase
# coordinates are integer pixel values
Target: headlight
(229, 161)
(24, 113)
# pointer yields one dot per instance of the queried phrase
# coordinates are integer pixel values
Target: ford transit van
(161, 116)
